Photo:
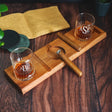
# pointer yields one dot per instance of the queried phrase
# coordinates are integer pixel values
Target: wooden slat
(103, 73)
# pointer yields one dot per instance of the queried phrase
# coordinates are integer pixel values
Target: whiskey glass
(21, 59)
(84, 26)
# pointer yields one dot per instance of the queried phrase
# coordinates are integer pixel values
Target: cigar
(69, 63)
(70, 42)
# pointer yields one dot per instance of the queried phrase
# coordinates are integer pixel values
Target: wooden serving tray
(46, 66)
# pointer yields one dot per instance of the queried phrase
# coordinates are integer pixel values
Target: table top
(64, 91)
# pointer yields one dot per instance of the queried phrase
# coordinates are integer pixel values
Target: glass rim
(25, 48)
(88, 14)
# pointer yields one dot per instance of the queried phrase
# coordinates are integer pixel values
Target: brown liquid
(83, 33)
(23, 70)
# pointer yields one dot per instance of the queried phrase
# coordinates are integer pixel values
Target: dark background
(44, 1)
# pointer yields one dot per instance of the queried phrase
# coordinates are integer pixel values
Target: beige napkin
(35, 23)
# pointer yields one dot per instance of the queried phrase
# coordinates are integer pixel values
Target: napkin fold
(35, 23)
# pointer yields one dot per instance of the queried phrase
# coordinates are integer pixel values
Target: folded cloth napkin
(35, 23)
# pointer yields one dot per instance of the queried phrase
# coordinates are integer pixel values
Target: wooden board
(46, 66)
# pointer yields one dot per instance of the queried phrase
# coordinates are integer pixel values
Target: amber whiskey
(23, 70)
(83, 32)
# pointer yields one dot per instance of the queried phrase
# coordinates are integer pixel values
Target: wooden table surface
(64, 91)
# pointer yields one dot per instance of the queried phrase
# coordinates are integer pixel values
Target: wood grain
(102, 68)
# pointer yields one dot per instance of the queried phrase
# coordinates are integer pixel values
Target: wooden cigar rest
(46, 66)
